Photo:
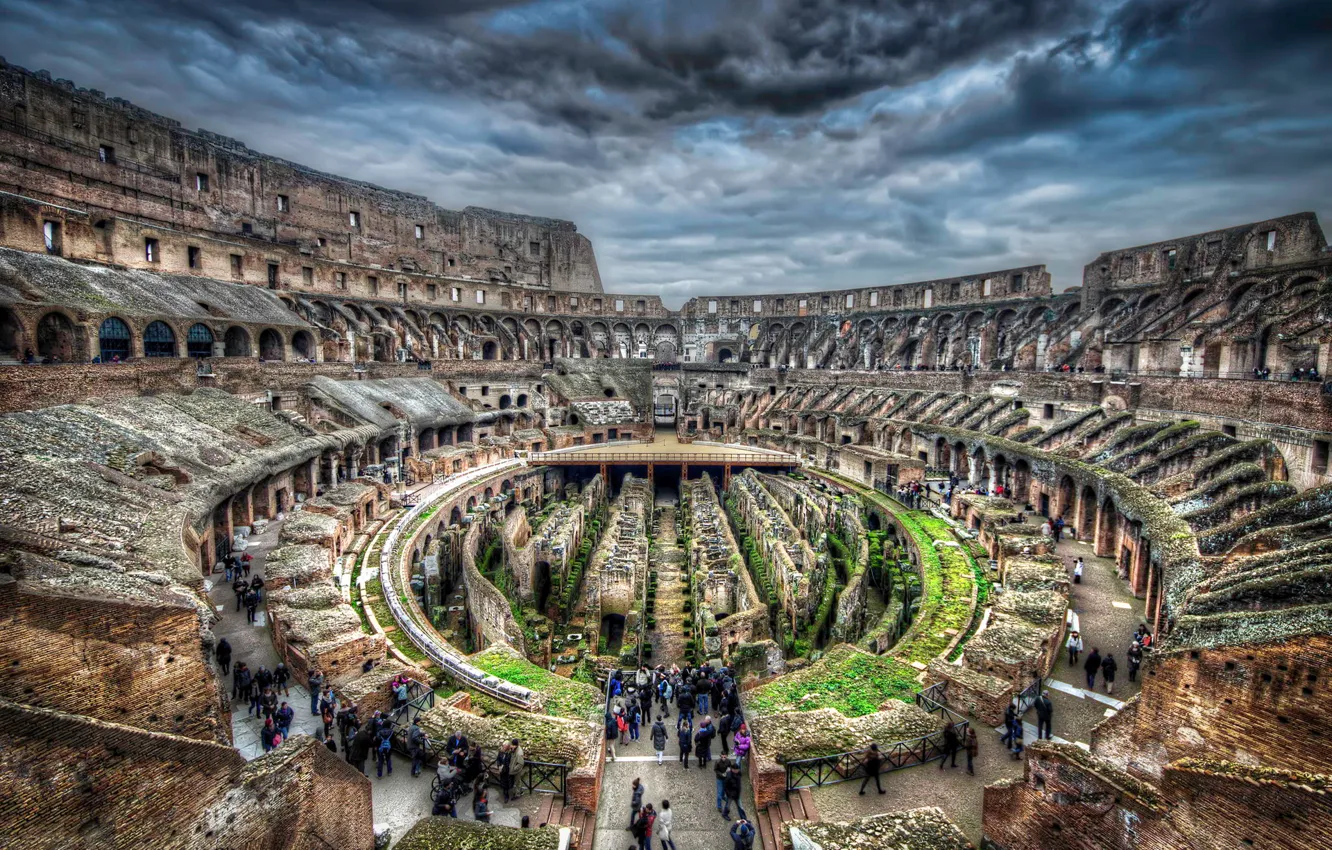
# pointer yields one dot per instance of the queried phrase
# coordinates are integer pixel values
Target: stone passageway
(668, 636)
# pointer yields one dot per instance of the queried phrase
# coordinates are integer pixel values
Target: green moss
(849, 680)
(563, 697)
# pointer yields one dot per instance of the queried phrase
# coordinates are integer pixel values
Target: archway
(199, 341)
(11, 333)
(113, 339)
(724, 355)
(159, 340)
(490, 350)
(270, 346)
(55, 337)
(1086, 518)
(302, 345)
(522, 400)
(237, 342)
(541, 585)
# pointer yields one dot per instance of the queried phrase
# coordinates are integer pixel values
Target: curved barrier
(432, 644)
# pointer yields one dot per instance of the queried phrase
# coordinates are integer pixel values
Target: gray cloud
(754, 145)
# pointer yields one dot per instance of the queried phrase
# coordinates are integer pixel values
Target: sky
(720, 146)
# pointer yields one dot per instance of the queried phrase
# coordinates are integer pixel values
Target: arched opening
(1107, 531)
(270, 346)
(724, 355)
(199, 341)
(490, 350)
(237, 342)
(55, 337)
(455, 516)
(159, 340)
(506, 401)
(612, 633)
(1064, 497)
(522, 399)
(1086, 519)
(302, 345)
(113, 340)
(11, 333)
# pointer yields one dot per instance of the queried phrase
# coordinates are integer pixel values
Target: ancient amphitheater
(484, 494)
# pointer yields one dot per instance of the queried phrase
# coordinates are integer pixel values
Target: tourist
(1044, 715)
(280, 676)
(1074, 646)
(241, 588)
(703, 742)
(417, 742)
(719, 776)
(1077, 571)
(284, 716)
(361, 744)
(951, 743)
(639, 827)
(635, 800)
(724, 729)
(662, 827)
(634, 715)
(1011, 724)
(872, 764)
(475, 765)
(612, 734)
(645, 703)
(659, 738)
(1017, 742)
(742, 833)
(267, 734)
(1134, 660)
(742, 742)
(480, 804)
(1108, 668)
(972, 746)
(223, 654)
(1047, 530)
(684, 736)
(733, 792)
(1058, 528)
(664, 695)
(400, 692)
(621, 724)
(383, 751)
(456, 747)
(316, 683)
(1091, 666)
(516, 762)
(684, 701)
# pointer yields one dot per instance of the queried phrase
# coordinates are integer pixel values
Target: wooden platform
(799, 806)
(554, 813)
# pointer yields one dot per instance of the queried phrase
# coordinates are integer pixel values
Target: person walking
(972, 746)
(1011, 725)
(280, 677)
(1078, 567)
(316, 684)
(684, 736)
(1074, 646)
(873, 764)
(480, 804)
(251, 605)
(659, 738)
(951, 742)
(223, 653)
(635, 800)
(1091, 666)
(742, 742)
(283, 717)
(240, 587)
(1108, 668)
(1134, 660)
(362, 743)
(662, 828)
(475, 765)
(703, 742)
(719, 774)
(635, 715)
(1044, 716)
(640, 828)
(684, 701)
(612, 735)
(384, 751)
(1058, 529)
(732, 783)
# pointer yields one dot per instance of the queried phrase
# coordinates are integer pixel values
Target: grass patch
(847, 679)
(563, 697)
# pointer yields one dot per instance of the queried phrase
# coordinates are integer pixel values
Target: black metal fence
(844, 767)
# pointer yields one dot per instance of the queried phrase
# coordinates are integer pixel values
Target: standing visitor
(972, 746)
(384, 751)
(416, 745)
(951, 742)
(1074, 645)
(685, 738)
(1044, 716)
(663, 826)
(733, 792)
(612, 735)
(223, 653)
(742, 742)
(316, 683)
(742, 834)
(1108, 668)
(1134, 660)
(873, 764)
(1091, 666)
(659, 738)
(635, 800)
(719, 775)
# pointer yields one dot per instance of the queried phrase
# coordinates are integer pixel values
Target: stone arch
(1085, 521)
(114, 339)
(237, 342)
(56, 337)
(199, 340)
(159, 340)
(302, 345)
(1107, 531)
(490, 350)
(270, 345)
(12, 337)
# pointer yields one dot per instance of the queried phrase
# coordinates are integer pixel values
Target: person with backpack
(283, 718)
(1134, 660)
(742, 833)
(280, 676)
(684, 701)
(634, 715)
(636, 801)
(659, 738)
(703, 742)
(384, 751)
(665, 692)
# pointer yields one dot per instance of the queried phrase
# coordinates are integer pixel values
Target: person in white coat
(662, 827)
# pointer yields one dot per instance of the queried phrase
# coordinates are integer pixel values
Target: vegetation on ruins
(563, 697)
(845, 678)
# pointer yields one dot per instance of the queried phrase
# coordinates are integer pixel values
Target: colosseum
(305, 478)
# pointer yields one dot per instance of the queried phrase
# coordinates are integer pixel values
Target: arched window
(270, 346)
(114, 339)
(238, 342)
(159, 340)
(199, 342)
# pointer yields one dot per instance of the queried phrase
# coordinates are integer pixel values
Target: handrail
(445, 656)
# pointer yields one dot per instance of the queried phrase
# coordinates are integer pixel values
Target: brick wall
(135, 663)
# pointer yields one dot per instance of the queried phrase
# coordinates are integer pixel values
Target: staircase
(555, 813)
(798, 806)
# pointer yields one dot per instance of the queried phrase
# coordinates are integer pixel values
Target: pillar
(249, 505)
(312, 475)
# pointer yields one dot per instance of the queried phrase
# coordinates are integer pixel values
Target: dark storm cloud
(756, 144)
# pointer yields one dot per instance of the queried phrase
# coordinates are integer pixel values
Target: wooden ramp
(554, 813)
(799, 806)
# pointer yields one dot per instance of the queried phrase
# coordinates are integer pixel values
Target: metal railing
(1028, 696)
(844, 767)
(644, 458)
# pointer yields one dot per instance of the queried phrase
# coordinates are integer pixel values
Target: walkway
(668, 637)
(253, 644)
